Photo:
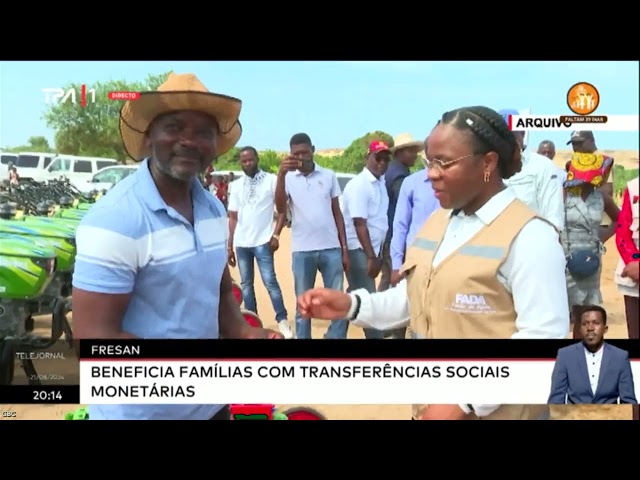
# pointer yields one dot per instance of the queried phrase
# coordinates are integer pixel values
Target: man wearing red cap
(365, 202)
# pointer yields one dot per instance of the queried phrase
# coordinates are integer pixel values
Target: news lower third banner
(323, 371)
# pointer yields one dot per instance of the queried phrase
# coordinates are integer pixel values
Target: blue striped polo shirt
(132, 242)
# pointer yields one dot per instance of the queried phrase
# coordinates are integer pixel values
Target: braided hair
(490, 133)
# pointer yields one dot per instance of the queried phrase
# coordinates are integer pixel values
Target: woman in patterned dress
(585, 205)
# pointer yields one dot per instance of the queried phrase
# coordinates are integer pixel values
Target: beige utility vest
(462, 297)
(633, 188)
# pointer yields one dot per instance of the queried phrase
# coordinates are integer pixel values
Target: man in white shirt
(251, 231)
(364, 206)
(318, 239)
(547, 148)
(537, 184)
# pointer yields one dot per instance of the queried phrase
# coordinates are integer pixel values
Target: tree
(34, 144)
(228, 161)
(93, 130)
(270, 161)
(354, 156)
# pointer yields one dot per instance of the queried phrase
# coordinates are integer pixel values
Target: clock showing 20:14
(45, 396)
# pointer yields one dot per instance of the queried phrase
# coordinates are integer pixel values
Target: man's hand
(395, 277)
(324, 303)
(374, 265)
(631, 271)
(444, 412)
(290, 164)
(345, 260)
(274, 244)
(231, 257)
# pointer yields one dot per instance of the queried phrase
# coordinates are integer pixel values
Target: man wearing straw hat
(405, 153)
(152, 253)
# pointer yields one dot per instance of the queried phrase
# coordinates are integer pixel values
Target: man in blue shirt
(416, 202)
(152, 253)
(405, 153)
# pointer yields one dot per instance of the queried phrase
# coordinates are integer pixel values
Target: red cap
(378, 146)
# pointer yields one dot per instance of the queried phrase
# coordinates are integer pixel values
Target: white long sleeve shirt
(534, 273)
(538, 186)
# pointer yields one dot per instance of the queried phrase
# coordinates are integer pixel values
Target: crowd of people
(487, 241)
(383, 208)
(218, 184)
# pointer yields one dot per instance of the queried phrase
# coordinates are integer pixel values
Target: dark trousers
(632, 311)
(385, 271)
(357, 278)
(223, 414)
(385, 284)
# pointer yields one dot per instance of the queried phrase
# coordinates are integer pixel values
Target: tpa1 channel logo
(53, 96)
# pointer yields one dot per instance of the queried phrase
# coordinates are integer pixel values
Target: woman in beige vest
(487, 267)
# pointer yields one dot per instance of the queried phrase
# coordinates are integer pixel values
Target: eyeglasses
(439, 166)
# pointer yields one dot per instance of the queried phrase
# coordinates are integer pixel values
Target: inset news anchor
(592, 371)
(489, 245)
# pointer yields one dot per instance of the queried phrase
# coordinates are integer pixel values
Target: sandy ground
(613, 304)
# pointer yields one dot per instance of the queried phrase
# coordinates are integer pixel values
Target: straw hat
(179, 92)
(405, 140)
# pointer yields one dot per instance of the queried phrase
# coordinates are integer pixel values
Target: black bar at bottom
(49, 394)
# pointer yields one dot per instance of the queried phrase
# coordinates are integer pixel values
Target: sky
(336, 102)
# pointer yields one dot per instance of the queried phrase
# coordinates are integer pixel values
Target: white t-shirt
(254, 201)
(366, 197)
(313, 227)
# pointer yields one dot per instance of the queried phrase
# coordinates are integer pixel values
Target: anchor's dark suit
(570, 379)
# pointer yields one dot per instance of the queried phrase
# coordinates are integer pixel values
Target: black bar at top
(45, 394)
(316, 349)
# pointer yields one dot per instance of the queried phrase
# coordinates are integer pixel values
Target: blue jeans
(358, 278)
(263, 256)
(305, 268)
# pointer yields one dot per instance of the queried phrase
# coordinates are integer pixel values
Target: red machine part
(267, 409)
(237, 292)
(295, 413)
(252, 319)
(303, 413)
(252, 409)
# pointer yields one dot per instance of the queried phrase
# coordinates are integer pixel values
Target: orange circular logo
(583, 98)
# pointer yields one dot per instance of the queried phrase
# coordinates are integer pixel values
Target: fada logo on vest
(583, 98)
(466, 303)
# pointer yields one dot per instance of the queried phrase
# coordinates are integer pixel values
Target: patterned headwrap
(587, 168)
